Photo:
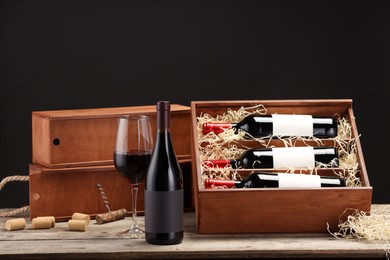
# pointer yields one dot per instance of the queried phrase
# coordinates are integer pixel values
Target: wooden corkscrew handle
(110, 216)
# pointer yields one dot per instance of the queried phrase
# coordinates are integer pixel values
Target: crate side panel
(262, 211)
(40, 139)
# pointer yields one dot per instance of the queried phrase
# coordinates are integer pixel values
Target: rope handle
(6, 180)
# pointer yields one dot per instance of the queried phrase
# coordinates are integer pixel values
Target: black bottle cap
(163, 105)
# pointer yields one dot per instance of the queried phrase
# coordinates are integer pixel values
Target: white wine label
(293, 157)
(292, 125)
(289, 180)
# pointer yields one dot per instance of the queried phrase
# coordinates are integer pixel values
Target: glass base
(133, 233)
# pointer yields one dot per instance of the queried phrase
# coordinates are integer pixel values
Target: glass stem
(134, 194)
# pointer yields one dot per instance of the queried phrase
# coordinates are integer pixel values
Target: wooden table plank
(101, 242)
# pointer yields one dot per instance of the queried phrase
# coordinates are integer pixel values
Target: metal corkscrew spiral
(104, 197)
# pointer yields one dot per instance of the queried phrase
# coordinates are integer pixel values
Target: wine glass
(133, 149)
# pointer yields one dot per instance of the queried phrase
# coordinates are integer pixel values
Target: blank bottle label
(298, 157)
(287, 180)
(164, 211)
(292, 125)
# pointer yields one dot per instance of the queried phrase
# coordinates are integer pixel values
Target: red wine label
(293, 157)
(289, 180)
(292, 125)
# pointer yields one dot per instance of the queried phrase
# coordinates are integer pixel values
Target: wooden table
(101, 242)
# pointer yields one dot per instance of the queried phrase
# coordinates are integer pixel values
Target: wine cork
(110, 216)
(51, 218)
(38, 223)
(77, 225)
(15, 224)
(81, 216)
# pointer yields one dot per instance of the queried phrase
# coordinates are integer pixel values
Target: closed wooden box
(85, 137)
(263, 210)
(60, 192)
(73, 153)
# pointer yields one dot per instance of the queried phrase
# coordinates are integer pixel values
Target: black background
(89, 54)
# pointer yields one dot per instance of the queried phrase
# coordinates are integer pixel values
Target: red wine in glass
(133, 165)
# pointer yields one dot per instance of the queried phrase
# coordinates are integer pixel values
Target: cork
(15, 224)
(51, 218)
(77, 225)
(38, 223)
(81, 216)
(110, 216)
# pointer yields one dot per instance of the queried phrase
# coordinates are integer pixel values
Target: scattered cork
(81, 216)
(50, 218)
(77, 225)
(15, 224)
(111, 216)
(41, 223)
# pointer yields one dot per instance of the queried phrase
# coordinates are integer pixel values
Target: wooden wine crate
(86, 137)
(60, 192)
(262, 210)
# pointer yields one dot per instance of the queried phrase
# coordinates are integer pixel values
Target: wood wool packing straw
(39, 223)
(81, 216)
(15, 224)
(77, 225)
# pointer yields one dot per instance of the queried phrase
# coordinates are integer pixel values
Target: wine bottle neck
(217, 163)
(163, 115)
(211, 183)
(216, 127)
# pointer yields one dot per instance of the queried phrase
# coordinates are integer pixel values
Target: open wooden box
(261, 210)
(85, 137)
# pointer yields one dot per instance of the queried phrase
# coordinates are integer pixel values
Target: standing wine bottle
(164, 187)
(282, 125)
(282, 157)
(279, 180)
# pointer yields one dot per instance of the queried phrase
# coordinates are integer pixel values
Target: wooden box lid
(85, 137)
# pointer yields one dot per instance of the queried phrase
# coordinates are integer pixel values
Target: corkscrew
(110, 215)
(104, 197)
